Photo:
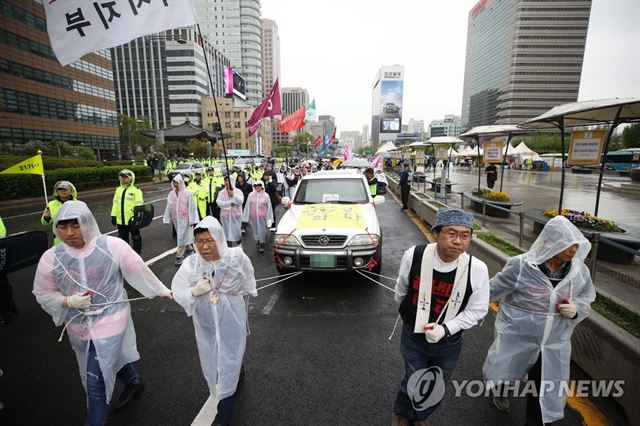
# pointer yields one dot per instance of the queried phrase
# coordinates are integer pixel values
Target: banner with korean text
(78, 27)
(585, 148)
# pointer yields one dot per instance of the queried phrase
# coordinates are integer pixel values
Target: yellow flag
(31, 165)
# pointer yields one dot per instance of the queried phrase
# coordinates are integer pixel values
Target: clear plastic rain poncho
(100, 267)
(221, 327)
(528, 323)
(182, 211)
(231, 211)
(259, 214)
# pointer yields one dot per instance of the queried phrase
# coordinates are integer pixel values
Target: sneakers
(501, 403)
(397, 420)
(178, 261)
(128, 394)
(261, 247)
(189, 253)
(244, 231)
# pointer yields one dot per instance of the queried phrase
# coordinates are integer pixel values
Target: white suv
(330, 225)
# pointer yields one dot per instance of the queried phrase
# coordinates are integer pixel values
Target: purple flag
(270, 106)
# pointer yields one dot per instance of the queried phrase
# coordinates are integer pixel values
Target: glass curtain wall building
(523, 58)
(43, 100)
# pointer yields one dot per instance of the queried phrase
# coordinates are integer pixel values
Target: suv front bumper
(302, 259)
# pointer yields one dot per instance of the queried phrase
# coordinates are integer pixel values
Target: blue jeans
(419, 354)
(98, 409)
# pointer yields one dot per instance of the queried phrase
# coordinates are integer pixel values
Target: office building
(42, 100)
(449, 126)
(164, 77)
(523, 58)
(233, 27)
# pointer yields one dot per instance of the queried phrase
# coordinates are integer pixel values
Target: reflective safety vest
(125, 199)
(53, 207)
(200, 196)
(3, 230)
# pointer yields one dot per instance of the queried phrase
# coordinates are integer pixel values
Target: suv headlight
(285, 240)
(364, 240)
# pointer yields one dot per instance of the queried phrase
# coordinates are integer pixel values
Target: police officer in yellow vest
(209, 183)
(371, 181)
(62, 191)
(199, 191)
(126, 197)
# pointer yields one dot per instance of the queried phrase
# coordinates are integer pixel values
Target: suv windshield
(340, 191)
(182, 166)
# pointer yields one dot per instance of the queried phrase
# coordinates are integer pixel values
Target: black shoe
(128, 394)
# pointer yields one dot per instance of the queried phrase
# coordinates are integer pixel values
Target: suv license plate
(322, 261)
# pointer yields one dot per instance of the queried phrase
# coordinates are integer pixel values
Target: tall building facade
(42, 100)
(523, 58)
(234, 117)
(164, 77)
(449, 126)
(270, 53)
(386, 105)
(233, 27)
(293, 98)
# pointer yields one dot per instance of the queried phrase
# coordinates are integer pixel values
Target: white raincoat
(231, 212)
(529, 325)
(100, 267)
(221, 328)
(182, 211)
(259, 214)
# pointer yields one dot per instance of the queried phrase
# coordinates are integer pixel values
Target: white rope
(394, 327)
(279, 276)
(380, 284)
(276, 282)
(378, 275)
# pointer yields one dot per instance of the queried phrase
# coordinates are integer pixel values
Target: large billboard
(234, 84)
(391, 104)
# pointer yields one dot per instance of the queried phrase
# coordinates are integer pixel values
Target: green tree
(301, 142)
(130, 137)
(631, 136)
(364, 150)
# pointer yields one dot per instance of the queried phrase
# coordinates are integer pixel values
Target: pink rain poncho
(259, 214)
(231, 212)
(221, 327)
(100, 266)
(528, 323)
(182, 211)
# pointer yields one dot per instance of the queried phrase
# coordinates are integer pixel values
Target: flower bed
(586, 220)
(487, 194)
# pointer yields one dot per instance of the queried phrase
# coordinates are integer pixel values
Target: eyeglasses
(464, 236)
(208, 243)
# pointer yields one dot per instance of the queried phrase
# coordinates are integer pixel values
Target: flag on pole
(32, 165)
(376, 163)
(78, 27)
(347, 154)
(292, 122)
(311, 114)
(270, 106)
(333, 135)
(318, 141)
(325, 144)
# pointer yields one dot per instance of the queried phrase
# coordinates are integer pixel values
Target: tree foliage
(129, 129)
(631, 136)
(54, 149)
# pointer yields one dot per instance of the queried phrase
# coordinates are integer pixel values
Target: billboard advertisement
(234, 84)
(391, 106)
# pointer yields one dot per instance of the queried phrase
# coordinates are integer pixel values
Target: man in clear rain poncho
(544, 294)
(259, 214)
(80, 284)
(182, 211)
(230, 202)
(211, 286)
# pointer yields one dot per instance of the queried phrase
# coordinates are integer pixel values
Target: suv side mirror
(377, 200)
(285, 201)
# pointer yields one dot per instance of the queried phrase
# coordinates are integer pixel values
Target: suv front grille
(324, 240)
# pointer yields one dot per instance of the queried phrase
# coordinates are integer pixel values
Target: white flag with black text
(78, 27)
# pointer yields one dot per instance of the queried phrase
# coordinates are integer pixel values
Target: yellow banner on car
(31, 165)
(331, 216)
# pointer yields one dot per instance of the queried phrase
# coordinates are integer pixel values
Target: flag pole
(44, 185)
(215, 103)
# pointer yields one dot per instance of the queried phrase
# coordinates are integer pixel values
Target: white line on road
(272, 301)
(160, 256)
(115, 230)
(207, 413)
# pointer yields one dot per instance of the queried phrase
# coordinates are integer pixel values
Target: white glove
(433, 332)
(166, 293)
(568, 310)
(78, 301)
(203, 286)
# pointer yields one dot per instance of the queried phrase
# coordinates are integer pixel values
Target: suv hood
(329, 218)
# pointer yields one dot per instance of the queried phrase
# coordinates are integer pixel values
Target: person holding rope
(545, 293)
(211, 287)
(442, 291)
(80, 284)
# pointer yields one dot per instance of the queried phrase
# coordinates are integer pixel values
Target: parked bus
(624, 159)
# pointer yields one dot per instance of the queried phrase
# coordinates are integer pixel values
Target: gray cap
(452, 216)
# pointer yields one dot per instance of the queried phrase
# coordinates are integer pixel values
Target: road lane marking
(207, 413)
(115, 230)
(272, 301)
(160, 256)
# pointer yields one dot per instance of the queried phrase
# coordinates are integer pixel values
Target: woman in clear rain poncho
(182, 211)
(80, 284)
(211, 286)
(230, 202)
(544, 294)
(259, 214)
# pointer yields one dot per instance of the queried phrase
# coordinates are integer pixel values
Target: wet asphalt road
(318, 352)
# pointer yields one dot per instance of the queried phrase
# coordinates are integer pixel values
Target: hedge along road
(318, 352)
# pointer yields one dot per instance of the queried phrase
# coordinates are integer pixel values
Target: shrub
(487, 194)
(84, 178)
(586, 220)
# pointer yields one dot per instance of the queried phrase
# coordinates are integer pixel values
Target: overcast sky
(333, 48)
